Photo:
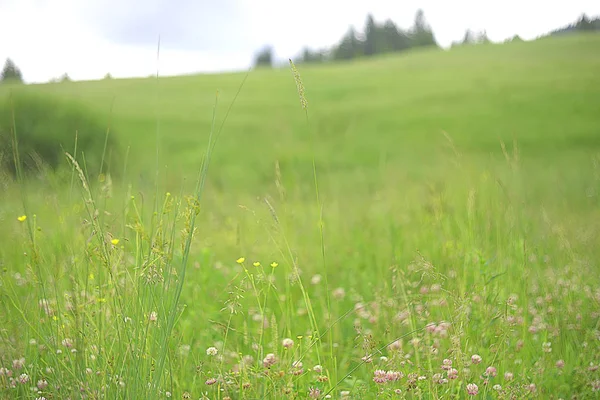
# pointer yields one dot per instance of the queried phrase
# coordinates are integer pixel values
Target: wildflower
(318, 369)
(211, 381)
(153, 316)
(18, 364)
(256, 263)
(442, 329)
(240, 260)
(491, 371)
(269, 360)
(339, 293)
(274, 265)
(247, 360)
(396, 345)
(476, 359)
(497, 387)
(314, 393)
(167, 394)
(547, 347)
(23, 378)
(5, 372)
(508, 376)
(212, 351)
(316, 279)
(398, 391)
(472, 389)
(297, 368)
(22, 218)
(446, 364)
(452, 373)
(42, 384)
(287, 343)
(596, 385)
(115, 241)
(68, 343)
(393, 375)
(560, 364)
(531, 387)
(379, 376)
(322, 378)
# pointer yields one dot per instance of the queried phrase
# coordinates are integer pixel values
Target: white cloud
(48, 38)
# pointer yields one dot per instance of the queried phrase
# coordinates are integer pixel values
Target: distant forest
(388, 38)
(582, 24)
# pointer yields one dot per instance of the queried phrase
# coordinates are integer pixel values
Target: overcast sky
(88, 38)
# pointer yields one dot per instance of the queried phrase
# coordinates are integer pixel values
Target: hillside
(543, 94)
(452, 240)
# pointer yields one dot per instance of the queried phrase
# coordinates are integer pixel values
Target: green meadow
(423, 225)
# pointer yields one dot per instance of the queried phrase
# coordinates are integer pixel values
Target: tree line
(376, 38)
(583, 24)
(388, 37)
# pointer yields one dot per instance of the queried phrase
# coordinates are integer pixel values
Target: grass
(457, 218)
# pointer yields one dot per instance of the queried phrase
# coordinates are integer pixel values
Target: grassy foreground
(451, 249)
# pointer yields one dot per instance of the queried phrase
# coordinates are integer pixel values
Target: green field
(457, 214)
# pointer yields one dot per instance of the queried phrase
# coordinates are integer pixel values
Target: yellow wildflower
(240, 260)
(256, 264)
(115, 242)
(22, 218)
(274, 264)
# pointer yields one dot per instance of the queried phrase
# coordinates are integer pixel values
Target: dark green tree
(350, 47)
(394, 38)
(514, 39)
(264, 58)
(469, 37)
(482, 38)
(422, 35)
(11, 73)
(310, 56)
(584, 24)
(371, 36)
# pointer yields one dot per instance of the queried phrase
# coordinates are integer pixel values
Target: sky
(89, 38)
